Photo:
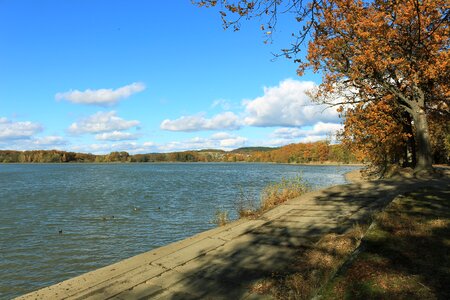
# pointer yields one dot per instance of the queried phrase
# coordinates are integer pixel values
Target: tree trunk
(411, 143)
(422, 137)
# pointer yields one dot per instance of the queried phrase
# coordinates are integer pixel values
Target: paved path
(222, 263)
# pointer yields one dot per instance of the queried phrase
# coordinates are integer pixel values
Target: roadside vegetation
(404, 254)
(315, 264)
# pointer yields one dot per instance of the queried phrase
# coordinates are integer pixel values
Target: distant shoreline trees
(318, 152)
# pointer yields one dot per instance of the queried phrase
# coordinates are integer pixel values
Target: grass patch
(406, 255)
(279, 192)
(246, 205)
(314, 265)
(272, 195)
(220, 218)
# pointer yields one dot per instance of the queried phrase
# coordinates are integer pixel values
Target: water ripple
(58, 221)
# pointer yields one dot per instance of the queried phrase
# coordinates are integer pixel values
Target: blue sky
(147, 76)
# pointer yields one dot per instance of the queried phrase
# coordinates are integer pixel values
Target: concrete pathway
(222, 263)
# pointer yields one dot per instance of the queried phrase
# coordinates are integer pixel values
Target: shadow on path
(229, 270)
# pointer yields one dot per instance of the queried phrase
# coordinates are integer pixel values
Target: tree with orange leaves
(377, 132)
(380, 53)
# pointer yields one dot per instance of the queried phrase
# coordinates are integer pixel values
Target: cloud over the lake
(284, 105)
(105, 148)
(223, 121)
(220, 140)
(102, 97)
(318, 129)
(50, 141)
(10, 130)
(116, 136)
(287, 105)
(102, 122)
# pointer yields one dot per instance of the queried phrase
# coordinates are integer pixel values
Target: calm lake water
(108, 212)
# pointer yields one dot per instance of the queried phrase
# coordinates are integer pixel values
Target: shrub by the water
(279, 192)
(274, 194)
(221, 217)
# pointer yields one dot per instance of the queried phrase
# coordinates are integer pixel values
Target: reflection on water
(58, 221)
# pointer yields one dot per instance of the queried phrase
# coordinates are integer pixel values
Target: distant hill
(253, 149)
(211, 150)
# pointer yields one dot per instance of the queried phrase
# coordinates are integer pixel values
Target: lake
(108, 212)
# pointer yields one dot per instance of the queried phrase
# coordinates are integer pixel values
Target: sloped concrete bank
(222, 263)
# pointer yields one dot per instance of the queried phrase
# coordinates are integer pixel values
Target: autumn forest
(318, 152)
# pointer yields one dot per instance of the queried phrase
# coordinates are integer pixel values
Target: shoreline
(93, 280)
(331, 164)
(224, 262)
(209, 215)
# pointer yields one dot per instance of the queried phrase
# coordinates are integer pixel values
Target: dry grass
(279, 192)
(246, 205)
(274, 194)
(314, 265)
(405, 256)
(221, 218)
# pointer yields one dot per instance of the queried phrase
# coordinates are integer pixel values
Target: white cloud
(227, 120)
(196, 143)
(221, 136)
(105, 148)
(35, 143)
(52, 141)
(318, 129)
(148, 144)
(116, 136)
(274, 142)
(233, 142)
(280, 142)
(287, 105)
(102, 97)
(222, 140)
(102, 122)
(10, 130)
(222, 103)
(22, 136)
(227, 140)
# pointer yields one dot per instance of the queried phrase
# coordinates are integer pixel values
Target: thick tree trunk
(422, 137)
(411, 143)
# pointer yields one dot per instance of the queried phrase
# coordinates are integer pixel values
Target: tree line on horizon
(317, 152)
